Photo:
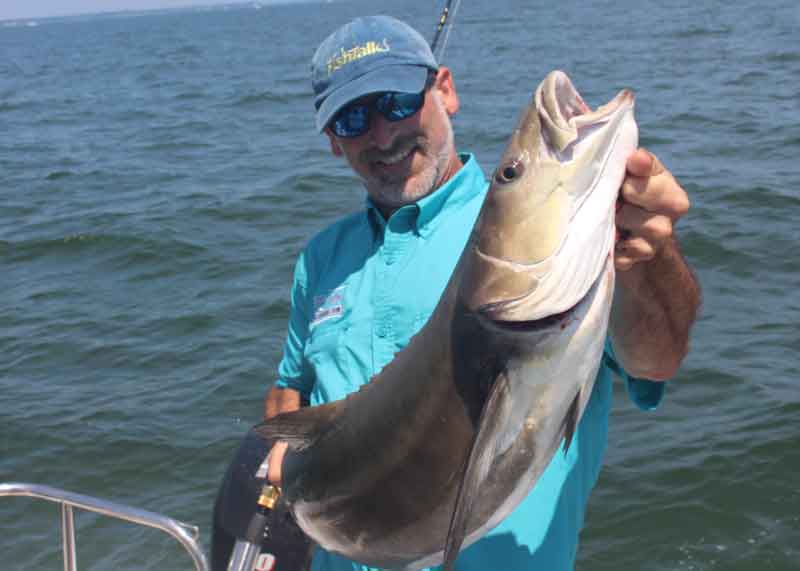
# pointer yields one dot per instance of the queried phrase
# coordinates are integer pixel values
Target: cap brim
(402, 78)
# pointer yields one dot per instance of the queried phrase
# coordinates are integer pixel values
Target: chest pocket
(327, 358)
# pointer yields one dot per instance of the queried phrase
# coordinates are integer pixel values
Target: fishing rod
(446, 22)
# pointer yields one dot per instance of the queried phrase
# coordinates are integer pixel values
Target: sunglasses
(353, 120)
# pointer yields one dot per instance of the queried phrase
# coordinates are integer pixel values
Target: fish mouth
(562, 319)
(540, 324)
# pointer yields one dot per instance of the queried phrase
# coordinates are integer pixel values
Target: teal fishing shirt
(363, 287)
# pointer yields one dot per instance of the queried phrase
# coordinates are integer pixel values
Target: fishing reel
(252, 529)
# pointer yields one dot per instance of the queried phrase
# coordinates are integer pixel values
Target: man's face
(403, 161)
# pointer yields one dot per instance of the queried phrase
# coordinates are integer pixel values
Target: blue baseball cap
(368, 55)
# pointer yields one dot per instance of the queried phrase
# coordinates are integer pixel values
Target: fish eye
(510, 171)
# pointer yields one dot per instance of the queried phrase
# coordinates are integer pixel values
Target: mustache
(402, 144)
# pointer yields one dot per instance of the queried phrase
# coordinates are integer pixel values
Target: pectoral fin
(571, 421)
(491, 428)
(300, 428)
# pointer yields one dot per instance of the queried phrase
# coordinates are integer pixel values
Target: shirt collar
(468, 181)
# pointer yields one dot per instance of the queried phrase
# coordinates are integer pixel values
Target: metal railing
(186, 535)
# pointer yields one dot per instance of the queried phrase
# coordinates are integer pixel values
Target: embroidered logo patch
(346, 56)
(328, 306)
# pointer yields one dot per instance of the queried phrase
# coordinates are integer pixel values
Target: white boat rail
(187, 535)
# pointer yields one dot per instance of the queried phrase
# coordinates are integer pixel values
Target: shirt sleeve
(292, 372)
(644, 393)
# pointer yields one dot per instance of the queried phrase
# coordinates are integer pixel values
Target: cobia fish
(452, 434)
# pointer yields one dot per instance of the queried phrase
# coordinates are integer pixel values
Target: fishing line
(446, 23)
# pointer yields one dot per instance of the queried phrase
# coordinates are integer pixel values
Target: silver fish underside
(453, 434)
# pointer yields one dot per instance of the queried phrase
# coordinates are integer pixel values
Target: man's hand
(656, 297)
(650, 202)
(278, 401)
(275, 463)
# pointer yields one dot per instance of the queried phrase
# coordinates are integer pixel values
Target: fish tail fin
(300, 429)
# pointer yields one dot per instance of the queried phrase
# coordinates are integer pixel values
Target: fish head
(546, 229)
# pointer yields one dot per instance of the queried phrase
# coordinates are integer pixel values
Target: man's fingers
(641, 235)
(276, 462)
(643, 163)
(632, 220)
(639, 191)
(632, 251)
(660, 194)
(651, 200)
(649, 185)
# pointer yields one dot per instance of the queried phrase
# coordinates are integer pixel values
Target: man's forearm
(655, 304)
(281, 400)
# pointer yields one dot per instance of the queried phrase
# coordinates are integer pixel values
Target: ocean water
(159, 173)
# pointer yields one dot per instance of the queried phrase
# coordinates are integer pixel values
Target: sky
(19, 9)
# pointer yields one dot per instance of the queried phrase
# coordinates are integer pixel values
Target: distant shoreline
(26, 20)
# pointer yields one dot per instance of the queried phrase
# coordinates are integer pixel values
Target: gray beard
(423, 184)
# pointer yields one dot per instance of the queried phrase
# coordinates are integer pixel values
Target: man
(366, 284)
